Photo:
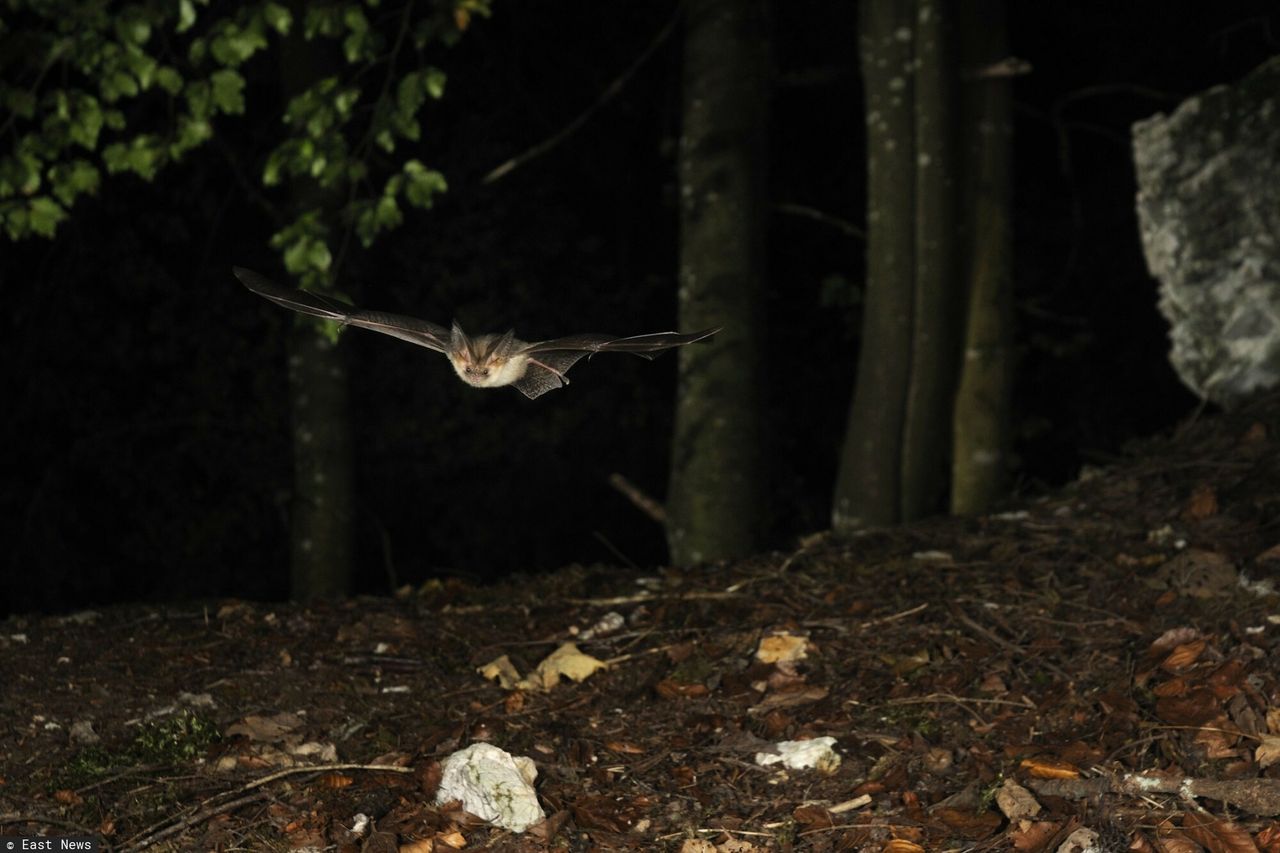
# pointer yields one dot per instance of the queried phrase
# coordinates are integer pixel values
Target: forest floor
(1094, 669)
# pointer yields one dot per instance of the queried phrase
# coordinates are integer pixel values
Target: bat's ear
(504, 344)
(458, 340)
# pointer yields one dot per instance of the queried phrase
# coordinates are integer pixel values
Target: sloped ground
(1106, 660)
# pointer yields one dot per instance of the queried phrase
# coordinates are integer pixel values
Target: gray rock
(1209, 214)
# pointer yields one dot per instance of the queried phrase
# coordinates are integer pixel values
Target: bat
(482, 361)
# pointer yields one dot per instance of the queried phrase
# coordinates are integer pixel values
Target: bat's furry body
(484, 361)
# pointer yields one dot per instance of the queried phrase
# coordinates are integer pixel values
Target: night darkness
(147, 442)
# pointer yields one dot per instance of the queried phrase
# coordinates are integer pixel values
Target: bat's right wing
(411, 329)
(645, 346)
(550, 360)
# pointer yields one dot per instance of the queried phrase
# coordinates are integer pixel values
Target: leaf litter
(1095, 669)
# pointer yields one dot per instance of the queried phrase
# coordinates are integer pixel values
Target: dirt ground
(1095, 669)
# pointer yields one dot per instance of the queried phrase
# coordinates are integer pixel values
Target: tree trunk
(867, 483)
(926, 443)
(982, 432)
(895, 460)
(714, 501)
(320, 518)
(321, 508)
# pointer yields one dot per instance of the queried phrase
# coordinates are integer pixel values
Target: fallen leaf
(1044, 768)
(1015, 801)
(565, 661)
(1219, 836)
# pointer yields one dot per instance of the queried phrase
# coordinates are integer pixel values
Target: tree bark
(868, 481)
(938, 303)
(982, 431)
(321, 507)
(895, 461)
(320, 515)
(714, 500)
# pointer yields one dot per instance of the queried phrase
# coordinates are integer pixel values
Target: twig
(816, 215)
(205, 811)
(611, 91)
(1256, 796)
(643, 502)
(162, 831)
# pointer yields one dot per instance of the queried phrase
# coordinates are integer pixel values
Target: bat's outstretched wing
(645, 346)
(550, 360)
(409, 329)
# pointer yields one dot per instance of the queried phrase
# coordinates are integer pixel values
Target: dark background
(147, 450)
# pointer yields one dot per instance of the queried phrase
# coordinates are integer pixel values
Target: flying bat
(484, 361)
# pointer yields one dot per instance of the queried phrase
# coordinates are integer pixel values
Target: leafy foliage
(89, 88)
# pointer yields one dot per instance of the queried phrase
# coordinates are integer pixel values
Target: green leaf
(20, 173)
(168, 78)
(72, 179)
(143, 155)
(324, 20)
(228, 91)
(85, 119)
(186, 15)
(277, 17)
(43, 215)
(141, 66)
(131, 27)
(117, 84)
(435, 82)
(190, 133)
(422, 184)
(232, 45)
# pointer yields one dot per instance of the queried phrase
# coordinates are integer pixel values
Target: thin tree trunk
(982, 432)
(926, 444)
(868, 481)
(320, 550)
(321, 510)
(714, 501)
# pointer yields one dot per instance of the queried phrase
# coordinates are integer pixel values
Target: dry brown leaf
(623, 747)
(266, 729)
(1176, 842)
(1268, 840)
(423, 845)
(1184, 656)
(566, 661)
(1268, 752)
(782, 647)
(1196, 708)
(1173, 687)
(901, 845)
(669, 688)
(453, 839)
(1033, 834)
(970, 824)
(501, 670)
(1045, 768)
(812, 816)
(1015, 801)
(334, 780)
(1218, 836)
(1202, 504)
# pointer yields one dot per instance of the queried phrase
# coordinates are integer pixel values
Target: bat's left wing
(549, 361)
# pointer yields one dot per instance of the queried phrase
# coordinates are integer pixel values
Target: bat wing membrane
(411, 329)
(645, 346)
(550, 360)
(546, 371)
